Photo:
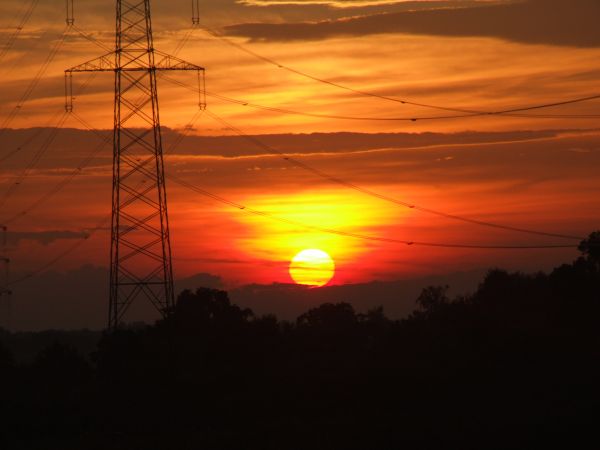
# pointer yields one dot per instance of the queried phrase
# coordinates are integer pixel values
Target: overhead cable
(36, 158)
(241, 207)
(34, 82)
(62, 255)
(257, 142)
(467, 111)
(15, 34)
(294, 223)
(363, 118)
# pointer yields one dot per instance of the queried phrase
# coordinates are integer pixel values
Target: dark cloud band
(553, 22)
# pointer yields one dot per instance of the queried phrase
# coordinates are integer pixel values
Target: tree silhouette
(432, 299)
(329, 317)
(208, 306)
(512, 365)
(590, 248)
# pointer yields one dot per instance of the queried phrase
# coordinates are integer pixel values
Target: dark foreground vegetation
(514, 365)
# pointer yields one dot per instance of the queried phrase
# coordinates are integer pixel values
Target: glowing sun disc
(312, 267)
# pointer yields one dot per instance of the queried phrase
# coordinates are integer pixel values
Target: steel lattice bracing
(140, 244)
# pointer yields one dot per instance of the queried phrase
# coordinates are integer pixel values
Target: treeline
(514, 365)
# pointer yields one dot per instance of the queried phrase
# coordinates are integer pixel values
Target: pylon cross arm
(170, 62)
(104, 63)
(108, 63)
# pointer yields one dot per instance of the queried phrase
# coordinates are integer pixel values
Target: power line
(185, 39)
(372, 238)
(338, 232)
(40, 152)
(467, 112)
(29, 139)
(61, 184)
(66, 180)
(375, 194)
(87, 160)
(51, 138)
(372, 193)
(383, 119)
(384, 197)
(34, 82)
(264, 214)
(368, 118)
(269, 216)
(329, 230)
(15, 34)
(62, 255)
(464, 113)
(36, 158)
(39, 131)
(92, 39)
(180, 44)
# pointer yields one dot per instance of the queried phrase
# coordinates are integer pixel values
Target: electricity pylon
(140, 244)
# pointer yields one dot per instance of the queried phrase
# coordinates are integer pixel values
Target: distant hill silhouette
(76, 298)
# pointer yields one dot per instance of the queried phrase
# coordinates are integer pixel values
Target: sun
(312, 267)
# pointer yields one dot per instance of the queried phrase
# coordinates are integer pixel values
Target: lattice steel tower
(140, 245)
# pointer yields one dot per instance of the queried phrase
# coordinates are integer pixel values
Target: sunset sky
(537, 169)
